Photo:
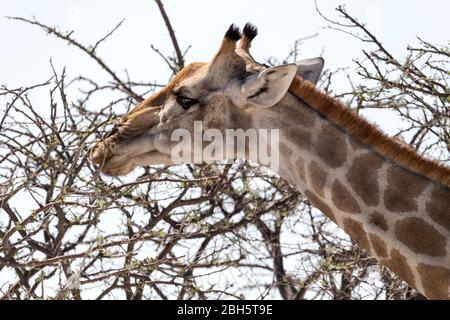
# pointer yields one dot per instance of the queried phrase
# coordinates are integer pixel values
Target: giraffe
(391, 201)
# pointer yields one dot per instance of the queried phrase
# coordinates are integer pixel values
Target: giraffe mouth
(117, 156)
(118, 167)
(133, 141)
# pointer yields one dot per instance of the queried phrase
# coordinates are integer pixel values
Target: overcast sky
(26, 50)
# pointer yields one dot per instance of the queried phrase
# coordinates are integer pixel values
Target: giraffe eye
(186, 102)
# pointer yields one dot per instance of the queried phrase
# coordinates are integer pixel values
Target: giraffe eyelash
(185, 102)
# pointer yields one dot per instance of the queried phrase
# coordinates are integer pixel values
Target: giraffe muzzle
(130, 137)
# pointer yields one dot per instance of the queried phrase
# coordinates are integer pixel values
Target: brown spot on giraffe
(319, 204)
(438, 206)
(403, 188)
(363, 178)
(355, 144)
(435, 281)
(331, 146)
(317, 177)
(379, 220)
(420, 237)
(159, 97)
(357, 233)
(342, 199)
(301, 138)
(399, 265)
(378, 245)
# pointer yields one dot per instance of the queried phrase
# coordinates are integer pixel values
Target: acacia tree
(227, 230)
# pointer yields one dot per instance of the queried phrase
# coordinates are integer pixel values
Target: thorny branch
(179, 61)
(88, 50)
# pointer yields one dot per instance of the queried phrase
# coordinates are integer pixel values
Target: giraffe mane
(363, 131)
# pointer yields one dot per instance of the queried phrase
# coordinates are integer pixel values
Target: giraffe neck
(398, 216)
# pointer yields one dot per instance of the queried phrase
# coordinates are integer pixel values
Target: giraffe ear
(267, 87)
(310, 69)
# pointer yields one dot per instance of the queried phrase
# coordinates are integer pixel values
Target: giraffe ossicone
(390, 200)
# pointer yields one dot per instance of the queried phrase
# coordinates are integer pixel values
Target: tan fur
(378, 245)
(227, 47)
(159, 97)
(245, 43)
(367, 133)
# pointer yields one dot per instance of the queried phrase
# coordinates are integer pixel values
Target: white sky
(201, 23)
(24, 57)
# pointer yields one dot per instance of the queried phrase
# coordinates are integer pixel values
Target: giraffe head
(224, 93)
